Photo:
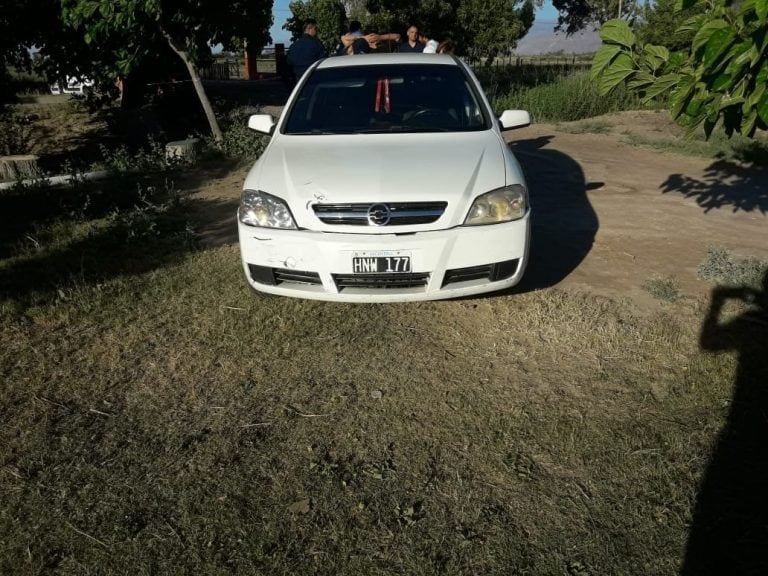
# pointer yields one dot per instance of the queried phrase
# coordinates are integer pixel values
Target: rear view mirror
(262, 123)
(510, 119)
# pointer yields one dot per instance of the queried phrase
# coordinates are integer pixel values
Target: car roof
(394, 58)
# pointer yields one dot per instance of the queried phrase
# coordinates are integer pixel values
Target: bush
(241, 142)
(722, 267)
(15, 134)
(151, 158)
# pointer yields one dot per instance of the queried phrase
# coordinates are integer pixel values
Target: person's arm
(391, 37)
(714, 335)
(348, 39)
(319, 50)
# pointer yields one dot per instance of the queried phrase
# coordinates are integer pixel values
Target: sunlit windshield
(388, 98)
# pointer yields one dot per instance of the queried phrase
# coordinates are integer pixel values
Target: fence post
(281, 61)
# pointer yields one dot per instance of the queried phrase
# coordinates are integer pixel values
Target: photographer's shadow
(729, 534)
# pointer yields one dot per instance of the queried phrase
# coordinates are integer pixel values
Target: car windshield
(387, 99)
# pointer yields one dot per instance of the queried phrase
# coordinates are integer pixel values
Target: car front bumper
(461, 261)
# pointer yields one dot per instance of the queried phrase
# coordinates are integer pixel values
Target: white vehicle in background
(386, 179)
(72, 85)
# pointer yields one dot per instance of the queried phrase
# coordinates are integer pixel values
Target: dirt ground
(607, 216)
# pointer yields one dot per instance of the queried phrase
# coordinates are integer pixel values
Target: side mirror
(262, 123)
(510, 119)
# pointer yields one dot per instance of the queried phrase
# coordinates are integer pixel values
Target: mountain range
(542, 39)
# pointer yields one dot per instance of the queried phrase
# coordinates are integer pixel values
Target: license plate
(389, 264)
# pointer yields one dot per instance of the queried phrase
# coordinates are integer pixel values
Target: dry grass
(170, 422)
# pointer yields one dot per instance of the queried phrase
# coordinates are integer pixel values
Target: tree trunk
(198, 84)
(18, 167)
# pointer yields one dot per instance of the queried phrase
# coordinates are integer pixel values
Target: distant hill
(541, 39)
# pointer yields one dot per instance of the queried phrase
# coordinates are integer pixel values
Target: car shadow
(563, 222)
(724, 185)
(729, 533)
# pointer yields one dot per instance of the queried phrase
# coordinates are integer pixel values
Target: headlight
(261, 209)
(502, 205)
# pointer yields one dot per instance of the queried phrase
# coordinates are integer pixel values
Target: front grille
(274, 276)
(400, 213)
(409, 280)
(492, 272)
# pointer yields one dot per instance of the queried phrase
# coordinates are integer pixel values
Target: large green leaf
(641, 81)
(722, 83)
(655, 57)
(718, 44)
(762, 76)
(660, 52)
(762, 108)
(661, 85)
(617, 31)
(616, 73)
(676, 60)
(705, 32)
(681, 94)
(748, 123)
(739, 56)
(761, 8)
(602, 58)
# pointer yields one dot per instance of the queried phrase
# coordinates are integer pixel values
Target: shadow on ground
(57, 238)
(563, 221)
(724, 185)
(729, 534)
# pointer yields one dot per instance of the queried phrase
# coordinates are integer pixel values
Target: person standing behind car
(306, 50)
(413, 44)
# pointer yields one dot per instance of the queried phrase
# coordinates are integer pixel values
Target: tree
(723, 78)
(487, 26)
(125, 32)
(660, 24)
(494, 26)
(330, 15)
(575, 15)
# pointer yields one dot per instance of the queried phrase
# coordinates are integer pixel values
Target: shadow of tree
(724, 184)
(729, 534)
(121, 237)
(563, 222)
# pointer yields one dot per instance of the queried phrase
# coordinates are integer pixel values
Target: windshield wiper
(317, 132)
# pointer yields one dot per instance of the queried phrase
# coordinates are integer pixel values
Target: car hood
(380, 168)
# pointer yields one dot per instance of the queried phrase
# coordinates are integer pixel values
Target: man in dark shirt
(413, 44)
(306, 50)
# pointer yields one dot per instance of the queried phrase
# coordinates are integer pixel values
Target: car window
(387, 98)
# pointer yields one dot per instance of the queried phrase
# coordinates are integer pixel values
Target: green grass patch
(719, 145)
(179, 424)
(587, 127)
(667, 289)
(155, 414)
(565, 99)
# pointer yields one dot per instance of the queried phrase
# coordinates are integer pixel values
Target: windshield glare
(389, 98)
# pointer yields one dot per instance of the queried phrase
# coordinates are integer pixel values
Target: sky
(281, 13)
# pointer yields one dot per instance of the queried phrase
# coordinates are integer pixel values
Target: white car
(386, 179)
(72, 85)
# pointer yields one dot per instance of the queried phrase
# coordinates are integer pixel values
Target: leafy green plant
(239, 141)
(151, 158)
(723, 79)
